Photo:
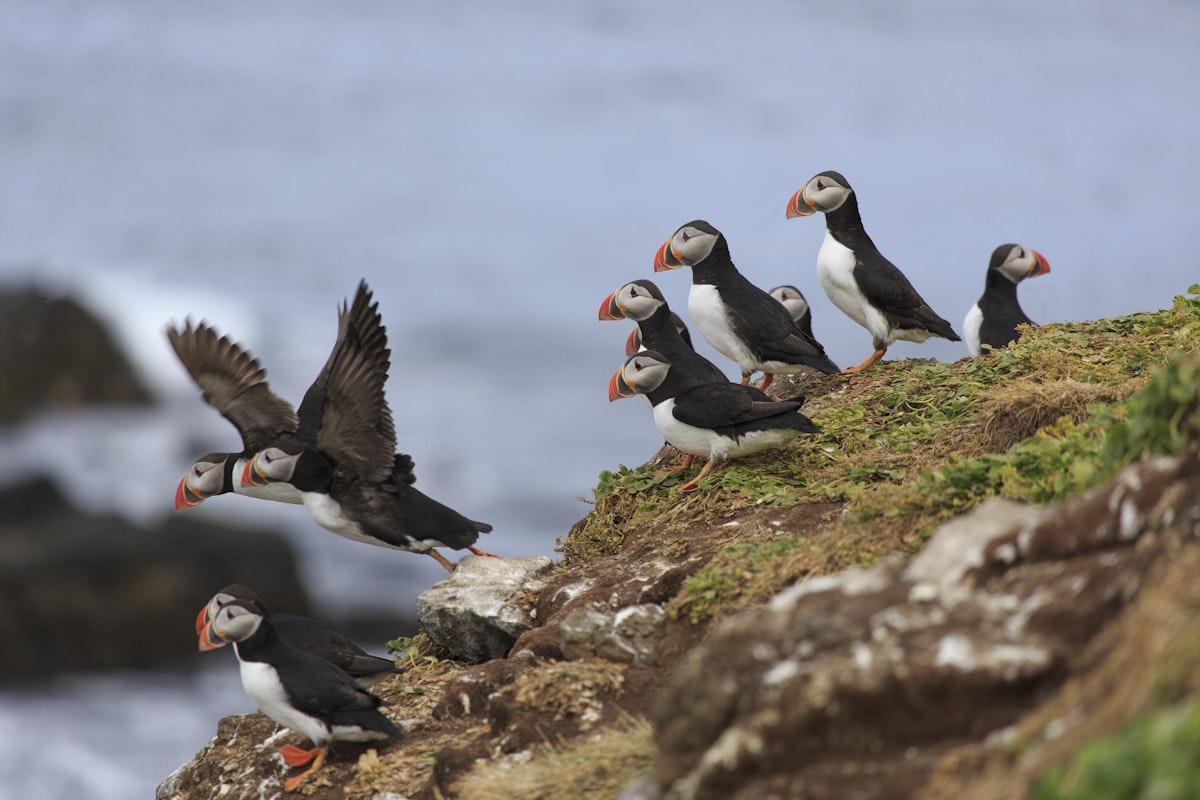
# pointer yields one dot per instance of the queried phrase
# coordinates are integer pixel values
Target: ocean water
(494, 171)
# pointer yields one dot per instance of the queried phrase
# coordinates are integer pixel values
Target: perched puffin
(737, 318)
(314, 638)
(232, 382)
(797, 305)
(643, 302)
(716, 420)
(858, 279)
(299, 691)
(994, 319)
(343, 464)
(634, 343)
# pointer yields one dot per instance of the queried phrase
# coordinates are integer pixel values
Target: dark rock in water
(56, 355)
(95, 592)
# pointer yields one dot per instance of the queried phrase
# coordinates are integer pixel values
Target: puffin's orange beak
(210, 639)
(610, 309)
(634, 342)
(185, 497)
(250, 474)
(799, 205)
(1040, 265)
(661, 261)
(618, 388)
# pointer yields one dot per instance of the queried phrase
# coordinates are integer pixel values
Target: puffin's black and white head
(688, 246)
(636, 300)
(641, 373)
(1017, 262)
(230, 594)
(793, 300)
(825, 191)
(277, 463)
(205, 479)
(236, 621)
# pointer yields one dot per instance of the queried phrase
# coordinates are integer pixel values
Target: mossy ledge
(904, 447)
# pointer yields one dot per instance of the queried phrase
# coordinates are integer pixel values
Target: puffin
(634, 342)
(643, 302)
(233, 382)
(858, 279)
(313, 637)
(298, 690)
(740, 320)
(716, 420)
(341, 459)
(993, 320)
(797, 305)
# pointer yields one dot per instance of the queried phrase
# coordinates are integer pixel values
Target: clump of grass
(597, 767)
(740, 574)
(1154, 756)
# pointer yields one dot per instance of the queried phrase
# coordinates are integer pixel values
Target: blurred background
(493, 171)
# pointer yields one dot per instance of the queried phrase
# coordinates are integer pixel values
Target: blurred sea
(494, 170)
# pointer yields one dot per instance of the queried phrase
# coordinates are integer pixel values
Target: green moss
(1153, 757)
(737, 575)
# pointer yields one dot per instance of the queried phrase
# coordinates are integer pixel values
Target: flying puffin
(737, 318)
(797, 305)
(232, 382)
(994, 319)
(716, 420)
(313, 637)
(299, 691)
(341, 457)
(858, 279)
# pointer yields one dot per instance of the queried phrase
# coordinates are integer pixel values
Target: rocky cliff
(977, 581)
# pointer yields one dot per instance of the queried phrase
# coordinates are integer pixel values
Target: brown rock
(855, 685)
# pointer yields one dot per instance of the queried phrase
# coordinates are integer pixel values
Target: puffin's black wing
(885, 287)
(718, 405)
(356, 429)
(232, 382)
(762, 322)
(317, 687)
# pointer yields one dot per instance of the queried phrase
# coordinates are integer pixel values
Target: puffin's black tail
(426, 518)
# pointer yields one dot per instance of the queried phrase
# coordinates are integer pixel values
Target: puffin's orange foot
(871, 359)
(297, 756)
(479, 552)
(291, 783)
(767, 378)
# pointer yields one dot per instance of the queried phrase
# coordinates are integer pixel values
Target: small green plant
(1153, 757)
(740, 572)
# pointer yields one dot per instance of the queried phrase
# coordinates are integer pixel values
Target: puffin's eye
(684, 235)
(820, 185)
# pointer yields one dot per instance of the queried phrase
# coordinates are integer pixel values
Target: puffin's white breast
(262, 685)
(710, 317)
(971, 327)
